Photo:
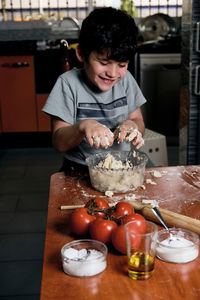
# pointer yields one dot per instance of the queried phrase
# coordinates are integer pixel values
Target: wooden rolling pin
(172, 219)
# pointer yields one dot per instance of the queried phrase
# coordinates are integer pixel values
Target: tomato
(97, 204)
(140, 226)
(121, 209)
(101, 230)
(119, 239)
(79, 221)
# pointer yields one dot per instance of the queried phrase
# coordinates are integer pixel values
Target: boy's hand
(127, 132)
(97, 135)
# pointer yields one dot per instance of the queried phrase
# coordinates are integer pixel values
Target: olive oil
(140, 266)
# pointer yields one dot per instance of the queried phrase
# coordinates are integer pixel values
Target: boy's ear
(78, 54)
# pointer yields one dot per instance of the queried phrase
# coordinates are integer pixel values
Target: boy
(87, 105)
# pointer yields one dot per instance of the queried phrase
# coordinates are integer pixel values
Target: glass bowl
(117, 180)
(84, 258)
(181, 247)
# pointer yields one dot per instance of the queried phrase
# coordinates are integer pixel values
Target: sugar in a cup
(84, 258)
(182, 246)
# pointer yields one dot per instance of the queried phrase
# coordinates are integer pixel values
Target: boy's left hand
(127, 131)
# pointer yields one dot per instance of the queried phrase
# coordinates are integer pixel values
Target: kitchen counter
(177, 190)
(67, 28)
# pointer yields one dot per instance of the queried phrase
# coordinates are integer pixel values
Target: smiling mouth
(107, 81)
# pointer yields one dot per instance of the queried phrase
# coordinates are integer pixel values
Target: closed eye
(104, 62)
(124, 65)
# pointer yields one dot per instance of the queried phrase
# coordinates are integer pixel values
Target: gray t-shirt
(73, 100)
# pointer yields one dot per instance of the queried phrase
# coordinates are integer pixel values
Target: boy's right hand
(97, 135)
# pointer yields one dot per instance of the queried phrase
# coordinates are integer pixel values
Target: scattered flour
(143, 187)
(157, 174)
(109, 193)
(130, 197)
(153, 203)
(150, 181)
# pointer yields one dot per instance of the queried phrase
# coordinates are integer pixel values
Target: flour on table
(143, 187)
(153, 203)
(130, 197)
(150, 181)
(157, 174)
(109, 193)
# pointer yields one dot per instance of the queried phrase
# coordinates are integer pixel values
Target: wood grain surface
(178, 191)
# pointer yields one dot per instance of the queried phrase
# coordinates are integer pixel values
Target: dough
(157, 174)
(130, 135)
(150, 181)
(111, 163)
(112, 175)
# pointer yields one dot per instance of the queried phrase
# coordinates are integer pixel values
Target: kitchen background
(32, 55)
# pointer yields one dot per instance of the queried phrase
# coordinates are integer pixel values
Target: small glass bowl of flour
(180, 247)
(84, 258)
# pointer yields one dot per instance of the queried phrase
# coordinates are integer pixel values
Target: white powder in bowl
(179, 250)
(83, 263)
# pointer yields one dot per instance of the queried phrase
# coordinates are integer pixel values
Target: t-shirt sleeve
(133, 93)
(60, 102)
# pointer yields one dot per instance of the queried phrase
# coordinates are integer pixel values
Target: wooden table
(178, 190)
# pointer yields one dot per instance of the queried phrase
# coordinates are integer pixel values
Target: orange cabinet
(44, 123)
(17, 94)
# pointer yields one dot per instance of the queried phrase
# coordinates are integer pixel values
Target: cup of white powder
(84, 258)
(181, 246)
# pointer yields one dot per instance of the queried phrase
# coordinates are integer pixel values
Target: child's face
(102, 72)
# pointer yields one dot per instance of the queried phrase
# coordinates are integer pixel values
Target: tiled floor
(24, 186)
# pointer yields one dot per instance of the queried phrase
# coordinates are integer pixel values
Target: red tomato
(140, 226)
(119, 239)
(101, 230)
(79, 221)
(121, 209)
(98, 204)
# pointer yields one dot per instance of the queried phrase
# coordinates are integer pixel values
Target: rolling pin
(172, 219)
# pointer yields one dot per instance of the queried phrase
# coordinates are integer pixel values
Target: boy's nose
(111, 71)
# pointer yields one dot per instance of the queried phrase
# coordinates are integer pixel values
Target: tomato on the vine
(140, 224)
(102, 229)
(79, 221)
(119, 239)
(121, 209)
(98, 206)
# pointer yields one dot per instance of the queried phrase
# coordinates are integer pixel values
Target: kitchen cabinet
(17, 94)
(20, 105)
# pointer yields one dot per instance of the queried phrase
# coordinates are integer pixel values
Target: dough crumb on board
(150, 181)
(130, 197)
(109, 193)
(158, 174)
(143, 187)
(151, 202)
